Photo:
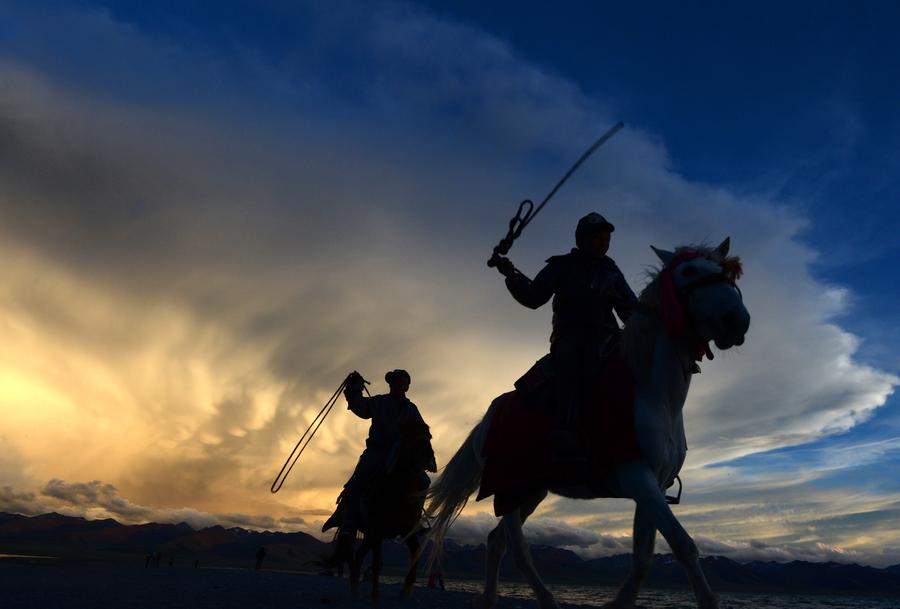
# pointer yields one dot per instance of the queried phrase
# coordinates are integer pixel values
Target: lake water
(24, 556)
(682, 599)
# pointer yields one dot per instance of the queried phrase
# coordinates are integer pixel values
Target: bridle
(674, 301)
(712, 279)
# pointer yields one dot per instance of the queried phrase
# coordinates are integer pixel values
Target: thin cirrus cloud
(189, 274)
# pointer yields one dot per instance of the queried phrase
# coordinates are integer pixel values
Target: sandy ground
(50, 584)
(54, 584)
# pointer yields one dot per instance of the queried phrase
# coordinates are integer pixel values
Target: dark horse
(392, 508)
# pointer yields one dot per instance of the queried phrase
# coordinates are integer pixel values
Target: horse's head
(698, 294)
(416, 452)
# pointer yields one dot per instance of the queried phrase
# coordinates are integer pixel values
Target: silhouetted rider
(586, 286)
(388, 412)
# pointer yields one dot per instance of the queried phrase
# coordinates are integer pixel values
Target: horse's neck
(662, 372)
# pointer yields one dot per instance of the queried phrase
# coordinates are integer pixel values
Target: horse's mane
(639, 334)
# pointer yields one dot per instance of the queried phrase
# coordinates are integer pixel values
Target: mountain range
(74, 538)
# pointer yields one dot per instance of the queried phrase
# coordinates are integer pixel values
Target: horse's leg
(376, 566)
(641, 485)
(496, 549)
(344, 552)
(644, 538)
(356, 564)
(412, 542)
(513, 522)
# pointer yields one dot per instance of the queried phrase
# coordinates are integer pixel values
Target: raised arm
(530, 293)
(356, 403)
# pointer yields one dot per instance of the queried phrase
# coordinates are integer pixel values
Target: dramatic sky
(209, 216)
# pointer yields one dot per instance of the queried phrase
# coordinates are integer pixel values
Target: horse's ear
(663, 255)
(723, 248)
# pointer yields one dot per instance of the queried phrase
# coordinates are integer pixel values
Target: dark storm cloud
(95, 494)
(763, 551)
(20, 503)
(98, 500)
(473, 530)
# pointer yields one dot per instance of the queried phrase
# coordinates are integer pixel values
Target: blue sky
(224, 183)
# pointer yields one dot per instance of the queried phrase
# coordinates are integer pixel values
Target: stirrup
(677, 498)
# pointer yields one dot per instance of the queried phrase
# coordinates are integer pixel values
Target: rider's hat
(589, 226)
(396, 375)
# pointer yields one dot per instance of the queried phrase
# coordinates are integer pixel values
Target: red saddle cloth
(517, 451)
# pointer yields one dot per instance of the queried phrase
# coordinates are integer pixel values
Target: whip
(527, 211)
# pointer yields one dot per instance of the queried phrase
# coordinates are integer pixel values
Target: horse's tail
(461, 477)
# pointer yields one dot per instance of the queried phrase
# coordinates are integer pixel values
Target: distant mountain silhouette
(71, 537)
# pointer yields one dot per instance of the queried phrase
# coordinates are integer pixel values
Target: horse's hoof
(548, 603)
(479, 602)
(711, 603)
(617, 604)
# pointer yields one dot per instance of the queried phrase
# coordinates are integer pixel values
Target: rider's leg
(356, 565)
(358, 488)
(644, 538)
(639, 483)
(568, 370)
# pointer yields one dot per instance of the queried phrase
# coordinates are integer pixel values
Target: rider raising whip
(586, 286)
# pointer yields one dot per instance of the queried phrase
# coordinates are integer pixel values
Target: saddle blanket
(517, 450)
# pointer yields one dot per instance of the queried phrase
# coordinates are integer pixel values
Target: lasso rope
(307, 437)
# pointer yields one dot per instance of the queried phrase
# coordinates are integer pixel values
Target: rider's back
(585, 290)
(387, 412)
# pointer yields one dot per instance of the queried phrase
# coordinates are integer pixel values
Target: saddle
(516, 449)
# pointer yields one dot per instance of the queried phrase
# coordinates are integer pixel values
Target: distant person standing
(436, 578)
(260, 557)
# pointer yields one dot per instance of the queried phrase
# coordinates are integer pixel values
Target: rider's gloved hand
(355, 381)
(505, 266)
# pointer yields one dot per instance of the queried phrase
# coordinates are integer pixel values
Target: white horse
(691, 301)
